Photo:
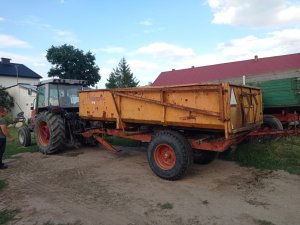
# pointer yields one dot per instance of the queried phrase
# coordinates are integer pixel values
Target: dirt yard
(91, 186)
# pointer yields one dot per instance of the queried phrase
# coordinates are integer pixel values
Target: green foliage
(3, 184)
(256, 203)
(166, 205)
(13, 147)
(123, 141)
(205, 202)
(8, 119)
(263, 222)
(71, 63)
(52, 223)
(6, 100)
(121, 77)
(8, 215)
(283, 154)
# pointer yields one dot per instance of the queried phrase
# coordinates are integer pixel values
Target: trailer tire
(169, 155)
(272, 122)
(204, 157)
(24, 136)
(49, 132)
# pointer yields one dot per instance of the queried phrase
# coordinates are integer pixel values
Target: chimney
(255, 58)
(5, 61)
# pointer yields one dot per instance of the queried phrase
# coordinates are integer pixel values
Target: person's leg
(2, 150)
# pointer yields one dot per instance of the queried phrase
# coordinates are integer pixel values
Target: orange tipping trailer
(183, 123)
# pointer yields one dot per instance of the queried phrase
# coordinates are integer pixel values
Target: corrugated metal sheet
(232, 70)
(280, 93)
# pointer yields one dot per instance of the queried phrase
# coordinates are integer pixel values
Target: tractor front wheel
(24, 136)
(49, 132)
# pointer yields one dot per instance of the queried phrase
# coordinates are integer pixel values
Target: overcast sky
(153, 35)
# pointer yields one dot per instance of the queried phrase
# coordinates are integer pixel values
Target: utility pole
(16, 66)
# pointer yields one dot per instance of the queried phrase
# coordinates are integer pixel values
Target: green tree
(71, 63)
(6, 100)
(121, 77)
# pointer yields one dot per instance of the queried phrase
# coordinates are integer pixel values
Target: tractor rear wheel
(49, 132)
(169, 155)
(24, 136)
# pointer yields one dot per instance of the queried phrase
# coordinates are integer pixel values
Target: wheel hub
(44, 133)
(165, 157)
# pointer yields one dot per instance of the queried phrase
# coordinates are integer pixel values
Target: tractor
(54, 119)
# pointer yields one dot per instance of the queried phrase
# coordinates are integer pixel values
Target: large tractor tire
(49, 132)
(24, 136)
(272, 122)
(204, 157)
(170, 155)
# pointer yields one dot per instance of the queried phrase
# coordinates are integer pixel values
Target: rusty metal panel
(97, 105)
(201, 106)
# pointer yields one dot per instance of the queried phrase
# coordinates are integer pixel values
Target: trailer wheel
(272, 122)
(204, 157)
(169, 155)
(49, 132)
(24, 136)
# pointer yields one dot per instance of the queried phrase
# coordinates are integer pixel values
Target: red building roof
(229, 70)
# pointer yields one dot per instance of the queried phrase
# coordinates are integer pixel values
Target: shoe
(3, 167)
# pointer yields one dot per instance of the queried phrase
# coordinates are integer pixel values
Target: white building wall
(23, 101)
(6, 81)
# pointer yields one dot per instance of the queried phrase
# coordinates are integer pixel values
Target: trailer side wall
(221, 107)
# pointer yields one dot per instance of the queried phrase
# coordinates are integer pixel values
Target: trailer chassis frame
(217, 145)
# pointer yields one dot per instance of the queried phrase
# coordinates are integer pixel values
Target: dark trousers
(2, 149)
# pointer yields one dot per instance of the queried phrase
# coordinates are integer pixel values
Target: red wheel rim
(43, 133)
(165, 157)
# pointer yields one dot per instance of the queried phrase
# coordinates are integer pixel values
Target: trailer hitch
(106, 145)
(95, 133)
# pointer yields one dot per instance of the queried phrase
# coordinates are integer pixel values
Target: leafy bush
(8, 119)
(5, 99)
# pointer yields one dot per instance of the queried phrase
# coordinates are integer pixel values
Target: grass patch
(263, 222)
(166, 205)
(257, 203)
(8, 215)
(205, 202)
(51, 223)
(3, 184)
(122, 141)
(282, 154)
(13, 147)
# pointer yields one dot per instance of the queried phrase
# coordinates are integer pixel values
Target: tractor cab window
(53, 95)
(41, 96)
(68, 95)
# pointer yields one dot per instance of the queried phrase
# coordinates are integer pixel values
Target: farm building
(19, 81)
(253, 70)
(24, 97)
(14, 73)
